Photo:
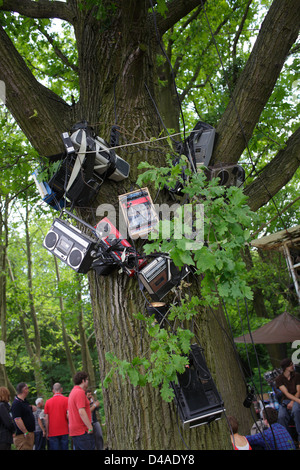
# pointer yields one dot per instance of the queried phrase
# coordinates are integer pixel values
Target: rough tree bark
(116, 59)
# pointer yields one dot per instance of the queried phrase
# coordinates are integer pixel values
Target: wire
(169, 62)
(238, 115)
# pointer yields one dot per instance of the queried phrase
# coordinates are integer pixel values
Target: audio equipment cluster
(82, 168)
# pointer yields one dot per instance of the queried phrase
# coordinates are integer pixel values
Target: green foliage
(168, 353)
(226, 221)
(49, 49)
(103, 10)
(216, 263)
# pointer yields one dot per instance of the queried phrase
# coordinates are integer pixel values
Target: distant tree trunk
(276, 351)
(3, 255)
(64, 332)
(32, 341)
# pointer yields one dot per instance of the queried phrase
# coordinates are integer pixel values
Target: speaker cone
(51, 240)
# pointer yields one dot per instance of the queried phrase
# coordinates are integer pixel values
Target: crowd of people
(61, 423)
(65, 422)
(274, 432)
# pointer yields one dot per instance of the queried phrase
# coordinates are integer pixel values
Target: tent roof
(276, 240)
(283, 329)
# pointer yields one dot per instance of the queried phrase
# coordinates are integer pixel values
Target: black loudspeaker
(159, 310)
(229, 175)
(201, 142)
(197, 398)
(70, 245)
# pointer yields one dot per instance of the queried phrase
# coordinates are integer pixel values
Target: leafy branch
(215, 262)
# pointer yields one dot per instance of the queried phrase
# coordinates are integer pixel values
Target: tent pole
(289, 262)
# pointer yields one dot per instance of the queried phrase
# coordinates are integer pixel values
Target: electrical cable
(169, 62)
(238, 115)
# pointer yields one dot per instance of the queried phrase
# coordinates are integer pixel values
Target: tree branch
(276, 174)
(278, 33)
(40, 9)
(192, 82)
(57, 51)
(177, 9)
(36, 108)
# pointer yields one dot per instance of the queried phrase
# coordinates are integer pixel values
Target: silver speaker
(70, 245)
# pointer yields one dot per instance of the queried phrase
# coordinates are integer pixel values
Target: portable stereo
(70, 245)
(160, 276)
(107, 162)
(229, 175)
(201, 143)
(75, 178)
(139, 213)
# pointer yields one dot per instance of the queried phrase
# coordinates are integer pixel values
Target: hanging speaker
(229, 175)
(197, 398)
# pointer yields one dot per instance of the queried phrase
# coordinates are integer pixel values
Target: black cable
(158, 113)
(169, 62)
(238, 115)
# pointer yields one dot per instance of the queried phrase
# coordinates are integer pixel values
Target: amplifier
(70, 245)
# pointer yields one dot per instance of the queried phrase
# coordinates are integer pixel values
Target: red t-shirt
(56, 408)
(77, 400)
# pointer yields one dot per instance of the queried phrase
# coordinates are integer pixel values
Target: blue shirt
(265, 438)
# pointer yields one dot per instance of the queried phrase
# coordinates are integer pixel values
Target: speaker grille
(51, 240)
(75, 258)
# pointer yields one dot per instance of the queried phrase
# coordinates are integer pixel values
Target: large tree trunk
(114, 65)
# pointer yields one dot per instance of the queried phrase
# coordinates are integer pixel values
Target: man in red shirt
(80, 418)
(56, 419)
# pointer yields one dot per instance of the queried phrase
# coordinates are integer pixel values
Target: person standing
(56, 419)
(40, 429)
(98, 435)
(7, 427)
(289, 384)
(22, 413)
(80, 417)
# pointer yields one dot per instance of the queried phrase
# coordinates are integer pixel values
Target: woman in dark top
(7, 427)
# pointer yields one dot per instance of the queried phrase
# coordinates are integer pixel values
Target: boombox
(139, 212)
(201, 143)
(118, 248)
(160, 276)
(197, 398)
(107, 162)
(229, 175)
(69, 244)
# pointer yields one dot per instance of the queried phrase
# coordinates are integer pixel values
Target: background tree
(117, 45)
